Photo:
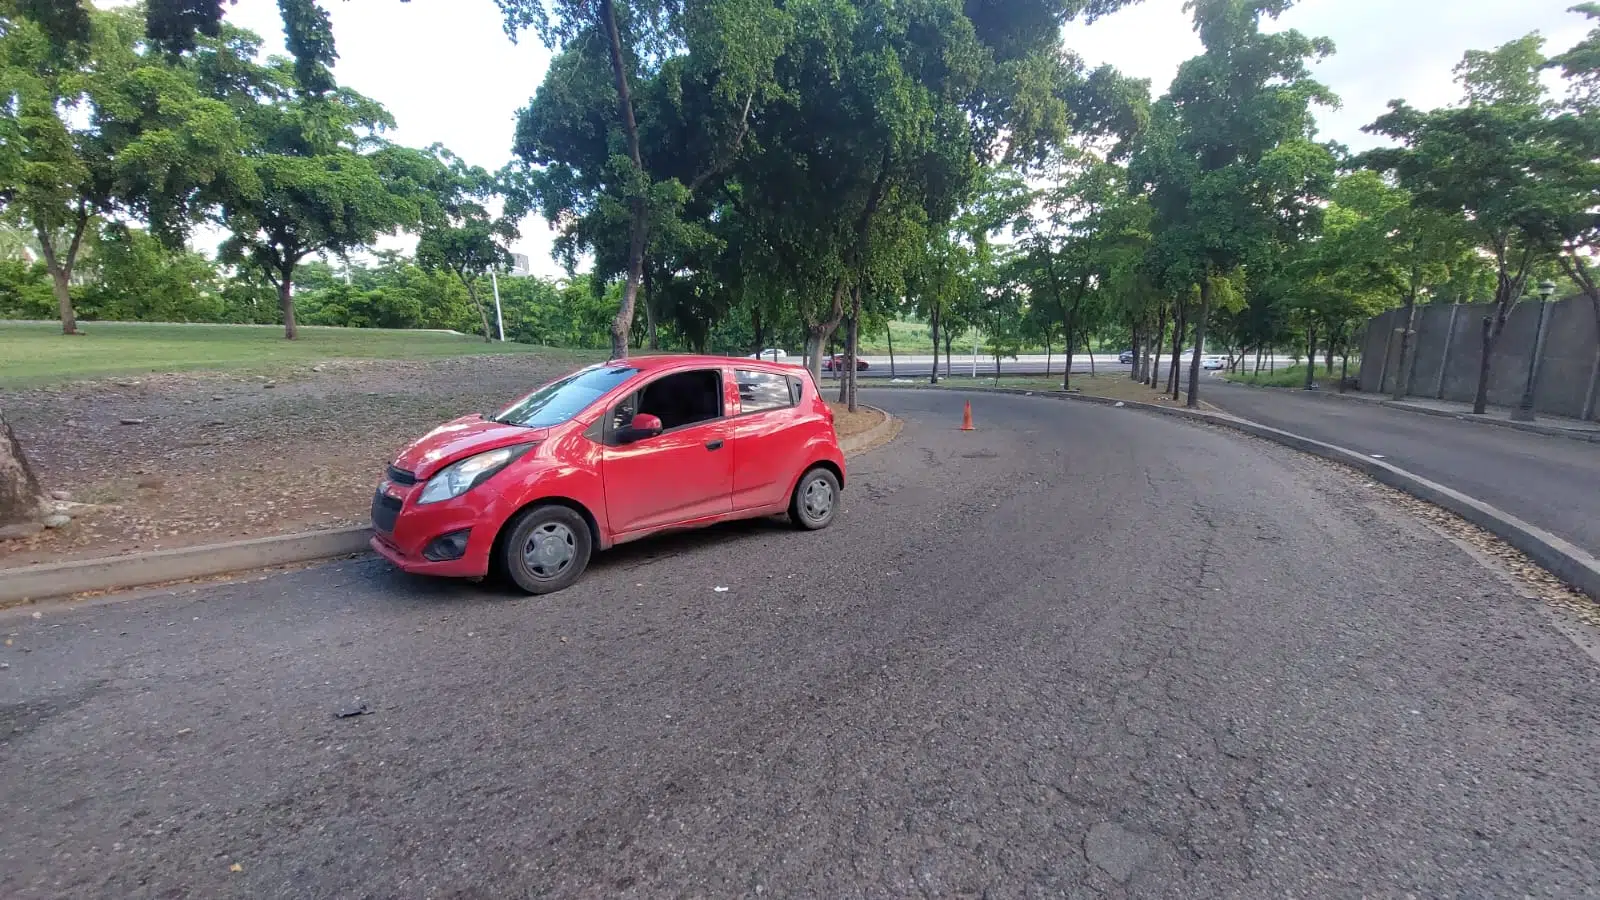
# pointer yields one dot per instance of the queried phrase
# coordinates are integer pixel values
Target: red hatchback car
(609, 454)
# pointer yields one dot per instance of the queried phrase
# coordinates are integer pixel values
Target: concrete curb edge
(856, 442)
(51, 580)
(1570, 563)
(78, 576)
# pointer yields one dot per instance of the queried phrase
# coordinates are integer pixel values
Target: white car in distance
(772, 353)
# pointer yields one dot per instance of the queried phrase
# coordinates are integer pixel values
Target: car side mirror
(643, 426)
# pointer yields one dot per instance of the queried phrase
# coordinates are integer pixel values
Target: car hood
(460, 438)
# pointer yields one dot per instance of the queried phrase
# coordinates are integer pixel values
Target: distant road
(911, 365)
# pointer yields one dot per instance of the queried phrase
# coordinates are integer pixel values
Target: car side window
(763, 391)
(678, 400)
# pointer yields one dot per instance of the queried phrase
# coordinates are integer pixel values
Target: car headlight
(459, 477)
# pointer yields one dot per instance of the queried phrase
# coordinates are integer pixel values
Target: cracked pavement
(1080, 652)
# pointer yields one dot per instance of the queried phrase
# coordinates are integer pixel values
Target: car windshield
(556, 403)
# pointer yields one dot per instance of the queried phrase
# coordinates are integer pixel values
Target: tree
(458, 232)
(320, 180)
(1229, 158)
(561, 131)
(1570, 230)
(1482, 161)
(86, 139)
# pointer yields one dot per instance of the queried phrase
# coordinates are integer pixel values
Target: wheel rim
(550, 550)
(817, 499)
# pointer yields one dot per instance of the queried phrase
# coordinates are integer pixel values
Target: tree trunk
(21, 500)
(949, 368)
(1047, 356)
(855, 349)
(755, 325)
(1089, 350)
(61, 270)
(638, 230)
(891, 346)
(1311, 355)
(818, 334)
(1177, 348)
(1480, 401)
(1259, 348)
(1193, 401)
(1410, 317)
(62, 283)
(1344, 367)
(843, 370)
(1133, 371)
(286, 304)
(933, 375)
(1153, 362)
(651, 340)
(483, 313)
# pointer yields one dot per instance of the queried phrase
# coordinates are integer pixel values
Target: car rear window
(560, 401)
(762, 391)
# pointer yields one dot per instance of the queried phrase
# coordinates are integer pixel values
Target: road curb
(50, 580)
(1573, 434)
(1571, 564)
(78, 576)
(856, 443)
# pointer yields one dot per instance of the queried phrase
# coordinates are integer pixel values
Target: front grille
(385, 510)
(400, 476)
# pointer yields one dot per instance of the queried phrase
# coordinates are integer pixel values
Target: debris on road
(360, 709)
(720, 589)
(130, 422)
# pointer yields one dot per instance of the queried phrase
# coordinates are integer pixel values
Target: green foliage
(137, 278)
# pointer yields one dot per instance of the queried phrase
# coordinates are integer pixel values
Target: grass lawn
(1294, 376)
(38, 353)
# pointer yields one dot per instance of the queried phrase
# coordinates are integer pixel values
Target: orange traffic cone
(966, 418)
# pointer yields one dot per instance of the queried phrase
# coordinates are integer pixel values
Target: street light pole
(1524, 410)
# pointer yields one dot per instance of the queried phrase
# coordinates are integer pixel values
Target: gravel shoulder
(1082, 650)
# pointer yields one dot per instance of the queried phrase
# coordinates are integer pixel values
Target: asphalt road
(1550, 482)
(1081, 651)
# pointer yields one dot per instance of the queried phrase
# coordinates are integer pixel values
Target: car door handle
(714, 445)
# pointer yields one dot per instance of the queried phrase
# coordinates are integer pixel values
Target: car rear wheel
(545, 549)
(815, 501)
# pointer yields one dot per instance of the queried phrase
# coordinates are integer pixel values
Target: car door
(766, 452)
(680, 475)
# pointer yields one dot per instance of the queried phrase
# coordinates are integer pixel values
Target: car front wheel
(815, 501)
(545, 549)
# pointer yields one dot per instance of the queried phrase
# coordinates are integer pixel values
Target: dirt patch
(217, 457)
(848, 424)
(1121, 387)
(224, 456)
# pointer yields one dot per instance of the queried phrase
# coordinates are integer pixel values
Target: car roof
(676, 360)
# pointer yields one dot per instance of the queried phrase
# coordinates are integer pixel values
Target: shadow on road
(416, 590)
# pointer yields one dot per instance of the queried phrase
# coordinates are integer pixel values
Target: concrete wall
(1445, 359)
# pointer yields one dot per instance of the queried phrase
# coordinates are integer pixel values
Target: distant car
(835, 363)
(606, 455)
(1125, 357)
(772, 353)
(1214, 363)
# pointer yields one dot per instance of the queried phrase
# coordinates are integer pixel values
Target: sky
(447, 72)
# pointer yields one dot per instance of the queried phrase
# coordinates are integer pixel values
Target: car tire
(544, 549)
(815, 501)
